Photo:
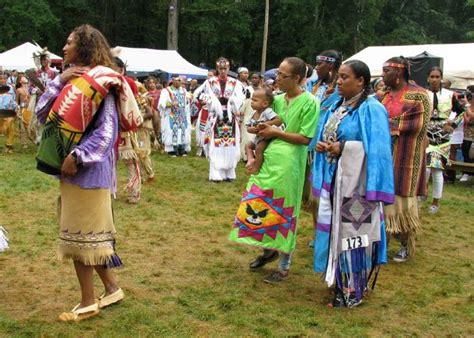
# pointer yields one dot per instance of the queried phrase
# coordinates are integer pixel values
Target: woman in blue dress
(353, 176)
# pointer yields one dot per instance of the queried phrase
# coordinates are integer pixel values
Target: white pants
(438, 181)
(221, 174)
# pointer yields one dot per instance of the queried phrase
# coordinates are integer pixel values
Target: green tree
(234, 28)
(26, 20)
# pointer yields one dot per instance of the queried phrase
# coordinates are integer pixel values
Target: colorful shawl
(74, 110)
(409, 113)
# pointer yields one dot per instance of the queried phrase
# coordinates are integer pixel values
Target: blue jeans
(285, 259)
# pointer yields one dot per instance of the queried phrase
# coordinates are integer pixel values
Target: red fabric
(394, 104)
(51, 73)
(155, 94)
(132, 84)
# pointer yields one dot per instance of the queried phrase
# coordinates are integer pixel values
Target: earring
(398, 80)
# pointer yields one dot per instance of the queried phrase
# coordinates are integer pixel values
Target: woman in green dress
(269, 210)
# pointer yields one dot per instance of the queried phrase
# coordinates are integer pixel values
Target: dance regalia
(25, 115)
(199, 109)
(87, 231)
(3, 239)
(175, 121)
(350, 234)
(144, 133)
(128, 148)
(222, 133)
(45, 75)
(409, 112)
(270, 207)
(439, 139)
(308, 198)
(74, 110)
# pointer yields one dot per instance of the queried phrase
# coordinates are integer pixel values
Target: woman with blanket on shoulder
(83, 110)
(353, 176)
(409, 111)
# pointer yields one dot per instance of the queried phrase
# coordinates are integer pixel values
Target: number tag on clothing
(355, 242)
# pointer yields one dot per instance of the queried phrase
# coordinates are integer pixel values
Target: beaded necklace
(332, 125)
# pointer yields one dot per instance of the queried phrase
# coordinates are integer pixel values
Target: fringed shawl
(409, 115)
(74, 109)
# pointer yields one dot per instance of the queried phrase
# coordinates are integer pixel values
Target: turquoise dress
(367, 124)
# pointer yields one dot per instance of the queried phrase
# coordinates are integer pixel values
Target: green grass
(182, 277)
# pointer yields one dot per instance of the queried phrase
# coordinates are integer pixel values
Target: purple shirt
(96, 155)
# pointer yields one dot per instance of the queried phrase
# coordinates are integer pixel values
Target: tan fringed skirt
(87, 232)
(402, 218)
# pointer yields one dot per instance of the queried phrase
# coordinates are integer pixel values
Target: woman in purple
(88, 91)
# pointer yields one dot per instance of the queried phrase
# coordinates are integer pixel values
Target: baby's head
(262, 98)
(4, 88)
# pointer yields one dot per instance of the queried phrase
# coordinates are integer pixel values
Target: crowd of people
(371, 147)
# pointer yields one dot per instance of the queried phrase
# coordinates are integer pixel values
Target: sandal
(113, 298)
(77, 315)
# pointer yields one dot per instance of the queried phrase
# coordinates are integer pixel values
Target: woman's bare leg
(108, 279)
(85, 275)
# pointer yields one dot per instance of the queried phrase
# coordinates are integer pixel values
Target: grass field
(183, 278)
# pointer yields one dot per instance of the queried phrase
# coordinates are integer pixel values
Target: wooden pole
(265, 37)
(173, 25)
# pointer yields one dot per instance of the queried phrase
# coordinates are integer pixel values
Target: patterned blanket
(74, 110)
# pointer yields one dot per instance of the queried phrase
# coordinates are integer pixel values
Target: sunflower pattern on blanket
(263, 220)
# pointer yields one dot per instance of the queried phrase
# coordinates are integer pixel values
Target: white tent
(145, 60)
(21, 57)
(458, 62)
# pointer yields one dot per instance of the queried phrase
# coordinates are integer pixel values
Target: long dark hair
(360, 69)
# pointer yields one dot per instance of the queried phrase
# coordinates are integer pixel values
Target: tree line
(234, 28)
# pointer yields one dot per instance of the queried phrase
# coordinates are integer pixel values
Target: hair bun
(309, 71)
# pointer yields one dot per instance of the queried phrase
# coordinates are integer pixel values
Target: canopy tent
(458, 65)
(142, 61)
(21, 57)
